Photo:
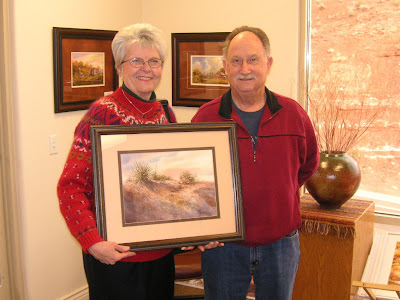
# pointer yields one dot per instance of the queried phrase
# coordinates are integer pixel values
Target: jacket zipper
(251, 142)
(254, 150)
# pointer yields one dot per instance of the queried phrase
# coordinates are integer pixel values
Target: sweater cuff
(89, 239)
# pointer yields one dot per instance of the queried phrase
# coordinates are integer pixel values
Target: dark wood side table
(334, 248)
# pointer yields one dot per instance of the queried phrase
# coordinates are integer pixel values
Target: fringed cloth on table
(340, 222)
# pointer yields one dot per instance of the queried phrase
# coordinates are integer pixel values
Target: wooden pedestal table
(334, 248)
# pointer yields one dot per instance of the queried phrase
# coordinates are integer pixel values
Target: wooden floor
(186, 292)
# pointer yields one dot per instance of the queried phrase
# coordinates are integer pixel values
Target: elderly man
(278, 153)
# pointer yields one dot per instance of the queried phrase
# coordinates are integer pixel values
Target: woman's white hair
(145, 35)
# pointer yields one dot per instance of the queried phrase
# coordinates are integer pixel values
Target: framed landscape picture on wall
(83, 67)
(198, 75)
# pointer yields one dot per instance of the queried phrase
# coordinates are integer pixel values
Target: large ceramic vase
(335, 181)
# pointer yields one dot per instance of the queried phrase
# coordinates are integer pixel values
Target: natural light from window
(359, 42)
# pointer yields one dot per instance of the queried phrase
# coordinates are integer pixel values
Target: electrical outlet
(53, 144)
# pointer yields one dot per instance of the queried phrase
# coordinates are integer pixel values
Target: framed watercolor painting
(198, 75)
(83, 67)
(166, 186)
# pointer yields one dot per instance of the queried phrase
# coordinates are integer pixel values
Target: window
(359, 41)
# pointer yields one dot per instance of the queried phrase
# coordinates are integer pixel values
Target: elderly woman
(112, 271)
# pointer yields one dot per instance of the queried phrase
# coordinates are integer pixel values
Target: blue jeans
(227, 270)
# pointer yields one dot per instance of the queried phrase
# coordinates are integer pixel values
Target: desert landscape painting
(159, 186)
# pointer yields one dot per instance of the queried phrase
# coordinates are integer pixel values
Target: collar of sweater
(126, 89)
(225, 109)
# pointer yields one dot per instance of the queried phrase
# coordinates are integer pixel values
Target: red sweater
(286, 156)
(75, 186)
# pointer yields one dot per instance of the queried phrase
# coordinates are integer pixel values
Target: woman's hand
(110, 252)
(210, 245)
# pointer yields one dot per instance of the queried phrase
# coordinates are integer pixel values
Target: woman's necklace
(143, 113)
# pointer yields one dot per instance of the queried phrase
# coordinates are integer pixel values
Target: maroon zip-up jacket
(285, 158)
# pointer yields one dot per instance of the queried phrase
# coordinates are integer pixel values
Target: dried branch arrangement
(341, 110)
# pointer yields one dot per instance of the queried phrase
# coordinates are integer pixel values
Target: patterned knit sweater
(75, 186)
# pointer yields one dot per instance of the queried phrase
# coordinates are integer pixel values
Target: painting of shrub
(168, 186)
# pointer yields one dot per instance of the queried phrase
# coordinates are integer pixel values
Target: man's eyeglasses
(138, 62)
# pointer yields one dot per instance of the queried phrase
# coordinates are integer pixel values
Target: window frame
(385, 205)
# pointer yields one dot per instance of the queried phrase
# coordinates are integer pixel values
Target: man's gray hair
(257, 31)
(145, 35)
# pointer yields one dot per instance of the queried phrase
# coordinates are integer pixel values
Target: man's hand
(109, 252)
(210, 245)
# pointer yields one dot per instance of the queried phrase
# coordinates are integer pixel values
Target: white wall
(279, 19)
(51, 258)
(52, 264)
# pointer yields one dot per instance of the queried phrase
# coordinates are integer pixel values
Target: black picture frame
(157, 212)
